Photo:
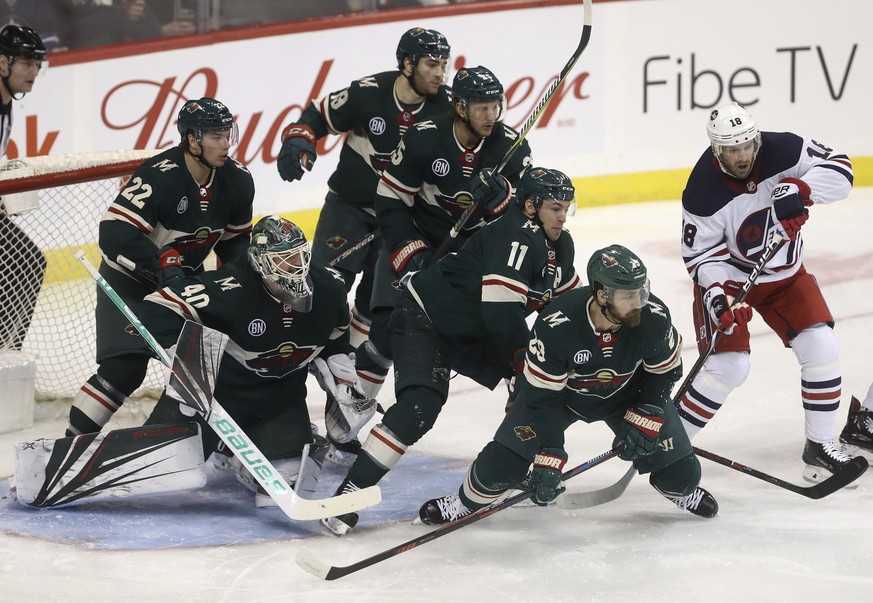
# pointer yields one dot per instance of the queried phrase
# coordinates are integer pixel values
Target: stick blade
(569, 501)
(840, 479)
(308, 509)
(307, 560)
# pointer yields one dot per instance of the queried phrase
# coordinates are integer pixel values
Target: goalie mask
(539, 184)
(280, 254)
(730, 126)
(623, 278)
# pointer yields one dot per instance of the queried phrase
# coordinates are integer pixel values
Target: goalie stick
(193, 378)
(318, 568)
(538, 110)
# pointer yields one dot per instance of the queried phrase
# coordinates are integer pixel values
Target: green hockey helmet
(205, 115)
(20, 41)
(419, 42)
(617, 268)
(539, 184)
(476, 84)
(280, 254)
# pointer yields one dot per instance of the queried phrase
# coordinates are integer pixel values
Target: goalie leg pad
(118, 463)
(301, 473)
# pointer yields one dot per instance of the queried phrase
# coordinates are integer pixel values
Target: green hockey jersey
(269, 342)
(163, 205)
(426, 187)
(505, 271)
(593, 374)
(375, 120)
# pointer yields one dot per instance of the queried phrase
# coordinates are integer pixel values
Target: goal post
(52, 207)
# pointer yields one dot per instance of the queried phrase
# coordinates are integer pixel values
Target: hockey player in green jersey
(176, 208)
(283, 314)
(440, 167)
(375, 111)
(606, 352)
(467, 314)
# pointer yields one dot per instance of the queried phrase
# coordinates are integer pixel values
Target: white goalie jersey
(727, 223)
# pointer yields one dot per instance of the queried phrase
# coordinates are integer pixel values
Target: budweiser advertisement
(636, 101)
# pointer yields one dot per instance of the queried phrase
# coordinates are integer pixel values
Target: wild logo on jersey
(195, 247)
(282, 361)
(603, 384)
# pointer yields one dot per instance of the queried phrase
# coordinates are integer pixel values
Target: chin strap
(607, 315)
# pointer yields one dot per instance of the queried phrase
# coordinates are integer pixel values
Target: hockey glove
(640, 431)
(168, 265)
(348, 408)
(790, 200)
(491, 191)
(722, 313)
(545, 477)
(297, 152)
(410, 257)
(512, 383)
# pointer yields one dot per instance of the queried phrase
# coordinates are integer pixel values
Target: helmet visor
(626, 300)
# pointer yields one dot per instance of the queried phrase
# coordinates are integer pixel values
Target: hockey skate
(700, 502)
(447, 509)
(822, 460)
(342, 524)
(858, 432)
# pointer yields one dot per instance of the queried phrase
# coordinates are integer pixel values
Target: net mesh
(51, 207)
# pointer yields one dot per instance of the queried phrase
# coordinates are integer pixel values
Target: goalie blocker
(119, 463)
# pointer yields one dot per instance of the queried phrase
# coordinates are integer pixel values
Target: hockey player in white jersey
(746, 185)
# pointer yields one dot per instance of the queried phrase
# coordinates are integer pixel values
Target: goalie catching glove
(640, 430)
(348, 407)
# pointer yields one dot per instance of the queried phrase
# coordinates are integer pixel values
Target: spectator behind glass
(128, 20)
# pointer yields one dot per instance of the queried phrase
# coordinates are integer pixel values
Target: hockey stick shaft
(366, 240)
(235, 437)
(582, 500)
(526, 128)
(837, 480)
(319, 569)
(771, 249)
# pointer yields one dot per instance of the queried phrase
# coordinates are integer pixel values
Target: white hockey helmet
(731, 125)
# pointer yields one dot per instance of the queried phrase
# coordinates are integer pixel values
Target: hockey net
(52, 207)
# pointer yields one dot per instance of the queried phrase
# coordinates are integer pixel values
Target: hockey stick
(366, 240)
(581, 500)
(842, 477)
(538, 110)
(593, 498)
(772, 247)
(318, 568)
(191, 375)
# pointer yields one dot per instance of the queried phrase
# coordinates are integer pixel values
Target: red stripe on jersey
(182, 306)
(543, 376)
(504, 284)
(130, 219)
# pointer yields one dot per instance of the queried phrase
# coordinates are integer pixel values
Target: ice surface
(766, 544)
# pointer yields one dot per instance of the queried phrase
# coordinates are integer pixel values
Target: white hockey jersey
(726, 222)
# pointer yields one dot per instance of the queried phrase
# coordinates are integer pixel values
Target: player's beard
(630, 318)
